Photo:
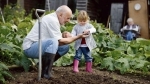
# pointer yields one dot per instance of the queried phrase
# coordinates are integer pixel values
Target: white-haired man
(131, 30)
(53, 44)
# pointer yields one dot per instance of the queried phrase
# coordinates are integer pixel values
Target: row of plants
(112, 52)
(12, 32)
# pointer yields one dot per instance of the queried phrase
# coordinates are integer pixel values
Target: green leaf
(104, 43)
(107, 63)
(116, 54)
(143, 41)
(64, 60)
(140, 64)
(7, 75)
(108, 53)
(5, 46)
(147, 54)
(4, 30)
(122, 64)
(2, 79)
(2, 38)
(25, 62)
(14, 46)
(3, 67)
(130, 51)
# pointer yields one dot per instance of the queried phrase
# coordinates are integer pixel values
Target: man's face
(130, 23)
(64, 18)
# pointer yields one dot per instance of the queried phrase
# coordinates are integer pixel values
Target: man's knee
(52, 41)
(62, 50)
(51, 45)
(66, 48)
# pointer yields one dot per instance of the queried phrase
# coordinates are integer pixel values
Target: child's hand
(66, 34)
(84, 35)
(87, 32)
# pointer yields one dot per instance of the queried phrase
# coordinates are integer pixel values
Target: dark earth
(65, 75)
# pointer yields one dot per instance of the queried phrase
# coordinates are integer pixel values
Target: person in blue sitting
(131, 31)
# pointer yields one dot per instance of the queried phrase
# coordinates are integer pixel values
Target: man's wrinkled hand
(66, 34)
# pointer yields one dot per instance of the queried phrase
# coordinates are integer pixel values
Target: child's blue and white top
(90, 42)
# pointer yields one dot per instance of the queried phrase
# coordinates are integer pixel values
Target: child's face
(82, 23)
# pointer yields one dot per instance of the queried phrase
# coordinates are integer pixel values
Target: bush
(12, 32)
(4, 73)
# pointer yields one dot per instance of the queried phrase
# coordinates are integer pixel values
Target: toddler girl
(85, 45)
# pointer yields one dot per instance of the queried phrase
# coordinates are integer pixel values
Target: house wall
(40, 4)
(140, 17)
(33, 4)
(4, 2)
(100, 9)
(21, 3)
(54, 4)
(29, 5)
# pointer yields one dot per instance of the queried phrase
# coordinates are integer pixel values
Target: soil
(65, 75)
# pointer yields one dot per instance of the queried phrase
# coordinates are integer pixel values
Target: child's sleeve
(74, 33)
(92, 28)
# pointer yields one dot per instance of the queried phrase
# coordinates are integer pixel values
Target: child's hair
(82, 16)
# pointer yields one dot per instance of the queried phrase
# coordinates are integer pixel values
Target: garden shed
(116, 13)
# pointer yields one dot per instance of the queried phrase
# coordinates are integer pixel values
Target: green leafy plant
(4, 73)
(114, 53)
(12, 34)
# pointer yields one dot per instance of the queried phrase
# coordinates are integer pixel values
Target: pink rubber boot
(89, 66)
(75, 66)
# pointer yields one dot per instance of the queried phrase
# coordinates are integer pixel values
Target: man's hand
(71, 39)
(86, 32)
(66, 34)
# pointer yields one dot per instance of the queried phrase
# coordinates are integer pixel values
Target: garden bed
(64, 75)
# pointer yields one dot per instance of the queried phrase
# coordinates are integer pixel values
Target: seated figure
(131, 31)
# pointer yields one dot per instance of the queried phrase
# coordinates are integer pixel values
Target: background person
(131, 31)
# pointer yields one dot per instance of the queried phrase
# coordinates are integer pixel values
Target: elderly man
(53, 44)
(130, 31)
